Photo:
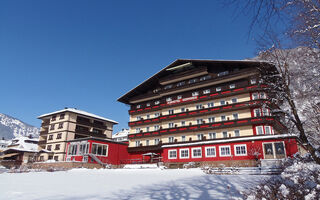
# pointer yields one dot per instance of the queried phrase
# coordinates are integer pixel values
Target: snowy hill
(11, 127)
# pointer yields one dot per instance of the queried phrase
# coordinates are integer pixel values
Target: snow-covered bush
(191, 165)
(300, 179)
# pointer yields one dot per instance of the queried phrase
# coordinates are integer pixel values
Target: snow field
(118, 184)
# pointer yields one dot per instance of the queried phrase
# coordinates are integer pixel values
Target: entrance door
(268, 151)
(279, 150)
(274, 150)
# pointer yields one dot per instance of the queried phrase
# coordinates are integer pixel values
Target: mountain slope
(11, 127)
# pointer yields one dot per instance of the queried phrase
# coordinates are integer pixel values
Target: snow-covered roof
(232, 140)
(23, 144)
(81, 112)
(122, 133)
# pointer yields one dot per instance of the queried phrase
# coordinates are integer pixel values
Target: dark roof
(153, 80)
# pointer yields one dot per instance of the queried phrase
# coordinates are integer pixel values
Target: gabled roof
(81, 112)
(153, 80)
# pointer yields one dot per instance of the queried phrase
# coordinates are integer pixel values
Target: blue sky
(86, 54)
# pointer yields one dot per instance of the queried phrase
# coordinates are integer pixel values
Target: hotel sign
(182, 100)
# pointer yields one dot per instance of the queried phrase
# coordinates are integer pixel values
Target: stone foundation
(225, 163)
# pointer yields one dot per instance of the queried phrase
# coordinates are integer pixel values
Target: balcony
(150, 148)
(44, 132)
(45, 123)
(211, 126)
(88, 133)
(204, 111)
(201, 98)
(86, 123)
(42, 142)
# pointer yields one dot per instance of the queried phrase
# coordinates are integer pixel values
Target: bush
(300, 179)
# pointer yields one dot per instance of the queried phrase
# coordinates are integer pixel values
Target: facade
(98, 151)
(59, 127)
(206, 111)
(121, 136)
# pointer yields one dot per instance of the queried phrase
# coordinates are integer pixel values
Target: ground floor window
(274, 150)
(210, 151)
(172, 154)
(196, 153)
(100, 149)
(240, 150)
(184, 153)
(225, 151)
(73, 149)
(84, 148)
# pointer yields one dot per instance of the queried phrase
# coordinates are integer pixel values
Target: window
(263, 95)
(72, 149)
(156, 102)
(196, 153)
(192, 80)
(168, 87)
(205, 78)
(156, 114)
(183, 109)
(137, 143)
(169, 99)
(156, 141)
(223, 73)
(240, 150)
(53, 118)
(148, 104)
(236, 133)
(231, 86)
(199, 106)
(200, 136)
(235, 116)
(147, 142)
(223, 118)
(234, 100)
(211, 119)
(257, 112)
(255, 96)
(253, 81)
(148, 116)
(171, 112)
(171, 139)
(138, 130)
(84, 148)
(172, 154)
(52, 127)
(183, 138)
(171, 125)
(181, 84)
(183, 123)
(199, 121)
(50, 137)
(156, 90)
(212, 135)
(184, 153)
(138, 106)
(138, 118)
(265, 112)
(156, 127)
(218, 89)
(62, 116)
(56, 158)
(225, 134)
(147, 129)
(59, 136)
(195, 94)
(267, 130)
(210, 151)
(222, 102)
(179, 97)
(210, 104)
(225, 151)
(259, 130)
(57, 147)
(101, 149)
(207, 91)
(49, 147)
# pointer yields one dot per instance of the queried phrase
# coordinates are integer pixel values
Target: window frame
(196, 148)
(210, 147)
(225, 146)
(172, 150)
(240, 145)
(180, 153)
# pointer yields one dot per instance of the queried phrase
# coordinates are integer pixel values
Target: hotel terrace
(206, 111)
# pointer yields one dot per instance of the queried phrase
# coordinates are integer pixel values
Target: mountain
(11, 127)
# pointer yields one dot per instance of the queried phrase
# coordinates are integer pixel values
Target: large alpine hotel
(206, 111)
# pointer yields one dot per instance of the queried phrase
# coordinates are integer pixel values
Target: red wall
(290, 147)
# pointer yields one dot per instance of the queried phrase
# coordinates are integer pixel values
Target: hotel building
(206, 111)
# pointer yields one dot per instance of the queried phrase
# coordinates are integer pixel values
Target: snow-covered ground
(124, 184)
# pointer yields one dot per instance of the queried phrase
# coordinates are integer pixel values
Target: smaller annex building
(96, 150)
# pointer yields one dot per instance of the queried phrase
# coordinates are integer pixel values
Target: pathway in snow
(123, 184)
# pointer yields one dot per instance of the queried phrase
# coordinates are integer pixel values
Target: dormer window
(168, 87)
(195, 94)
